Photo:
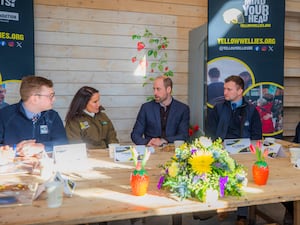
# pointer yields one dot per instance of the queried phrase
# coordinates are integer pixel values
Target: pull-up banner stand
(16, 39)
(246, 38)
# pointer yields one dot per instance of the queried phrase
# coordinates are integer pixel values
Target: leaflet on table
(123, 154)
(234, 146)
(72, 157)
(17, 168)
(241, 145)
(274, 150)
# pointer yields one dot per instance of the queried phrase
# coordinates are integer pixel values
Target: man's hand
(157, 142)
(29, 148)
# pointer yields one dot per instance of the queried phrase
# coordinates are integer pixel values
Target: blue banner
(246, 38)
(16, 39)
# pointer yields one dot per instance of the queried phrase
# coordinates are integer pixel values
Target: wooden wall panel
(165, 8)
(119, 17)
(292, 31)
(291, 119)
(292, 7)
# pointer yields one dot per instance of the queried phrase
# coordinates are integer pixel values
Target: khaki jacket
(96, 132)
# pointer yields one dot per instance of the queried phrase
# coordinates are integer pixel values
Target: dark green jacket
(96, 132)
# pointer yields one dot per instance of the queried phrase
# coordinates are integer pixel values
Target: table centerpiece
(200, 168)
(260, 169)
(139, 179)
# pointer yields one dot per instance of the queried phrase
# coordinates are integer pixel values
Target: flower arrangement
(152, 48)
(200, 167)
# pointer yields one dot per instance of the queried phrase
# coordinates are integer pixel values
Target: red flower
(196, 128)
(166, 68)
(191, 132)
(140, 46)
(252, 148)
(152, 70)
(193, 129)
(133, 59)
(163, 46)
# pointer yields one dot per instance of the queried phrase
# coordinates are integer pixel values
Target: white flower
(205, 142)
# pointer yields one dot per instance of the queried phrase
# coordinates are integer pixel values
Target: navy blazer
(148, 123)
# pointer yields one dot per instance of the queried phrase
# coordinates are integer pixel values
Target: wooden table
(104, 194)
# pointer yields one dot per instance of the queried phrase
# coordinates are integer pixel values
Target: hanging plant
(152, 55)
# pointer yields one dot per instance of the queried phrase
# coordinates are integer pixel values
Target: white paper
(71, 157)
(234, 146)
(274, 150)
(123, 153)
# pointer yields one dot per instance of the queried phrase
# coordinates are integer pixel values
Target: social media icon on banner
(19, 44)
(264, 48)
(11, 44)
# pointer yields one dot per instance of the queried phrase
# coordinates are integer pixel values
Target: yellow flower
(201, 162)
(173, 169)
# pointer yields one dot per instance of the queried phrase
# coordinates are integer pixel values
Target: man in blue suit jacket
(164, 119)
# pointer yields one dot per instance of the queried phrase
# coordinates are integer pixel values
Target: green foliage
(154, 47)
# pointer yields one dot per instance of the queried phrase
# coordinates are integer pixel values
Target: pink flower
(138, 166)
(257, 150)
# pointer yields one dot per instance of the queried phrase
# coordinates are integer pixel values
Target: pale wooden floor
(276, 211)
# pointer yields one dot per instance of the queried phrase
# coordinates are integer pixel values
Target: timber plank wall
(89, 43)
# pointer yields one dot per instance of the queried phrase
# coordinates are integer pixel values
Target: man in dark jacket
(32, 122)
(162, 120)
(234, 118)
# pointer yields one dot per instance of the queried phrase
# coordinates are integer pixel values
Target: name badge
(84, 125)
(44, 129)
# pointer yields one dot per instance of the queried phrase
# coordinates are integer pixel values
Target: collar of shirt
(166, 106)
(29, 114)
(238, 103)
(89, 113)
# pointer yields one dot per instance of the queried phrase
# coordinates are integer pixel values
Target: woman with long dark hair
(85, 121)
